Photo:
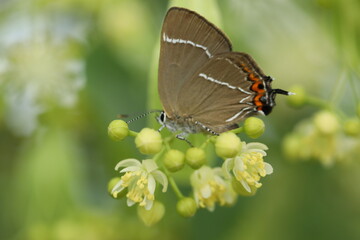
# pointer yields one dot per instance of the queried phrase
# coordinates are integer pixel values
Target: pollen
(252, 170)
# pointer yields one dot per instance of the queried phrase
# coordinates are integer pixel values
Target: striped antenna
(143, 115)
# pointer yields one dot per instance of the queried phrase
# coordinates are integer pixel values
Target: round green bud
(352, 127)
(118, 130)
(186, 207)
(174, 160)
(239, 189)
(299, 98)
(254, 127)
(148, 141)
(111, 185)
(227, 145)
(326, 122)
(195, 157)
(153, 215)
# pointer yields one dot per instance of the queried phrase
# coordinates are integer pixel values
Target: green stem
(167, 141)
(159, 155)
(207, 142)
(171, 179)
(238, 130)
(133, 133)
(174, 186)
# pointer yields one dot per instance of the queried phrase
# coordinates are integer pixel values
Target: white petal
(130, 202)
(130, 169)
(218, 171)
(127, 163)
(268, 168)
(161, 178)
(117, 187)
(262, 152)
(149, 165)
(219, 180)
(238, 164)
(151, 184)
(205, 191)
(256, 145)
(149, 204)
(227, 166)
(245, 185)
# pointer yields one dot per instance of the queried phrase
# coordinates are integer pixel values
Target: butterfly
(203, 85)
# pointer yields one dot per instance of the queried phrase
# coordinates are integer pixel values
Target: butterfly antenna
(143, 115)
(283, 92)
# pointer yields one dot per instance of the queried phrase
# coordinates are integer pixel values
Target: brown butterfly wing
(219, 94)
(188, 42)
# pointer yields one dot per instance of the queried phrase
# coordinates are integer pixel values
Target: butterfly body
(203, 85)
(184, 124)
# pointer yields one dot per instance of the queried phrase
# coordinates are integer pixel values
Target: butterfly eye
(162, 117)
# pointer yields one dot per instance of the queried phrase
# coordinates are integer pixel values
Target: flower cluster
(329, 136)
(239, 172)
(324, 138)
(40, 66)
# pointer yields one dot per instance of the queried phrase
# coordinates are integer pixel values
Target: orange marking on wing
(255, 87)
(257, 101)
(246, 69)
(253, 77)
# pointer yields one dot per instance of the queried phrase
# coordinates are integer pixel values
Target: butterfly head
(268, 100)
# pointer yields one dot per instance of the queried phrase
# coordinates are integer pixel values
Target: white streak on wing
(239, 113)
(182, 41)
(222, 83)
(244, 99)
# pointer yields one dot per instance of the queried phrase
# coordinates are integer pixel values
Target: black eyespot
(261, 86)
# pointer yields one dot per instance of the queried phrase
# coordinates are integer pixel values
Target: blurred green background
(69, 67)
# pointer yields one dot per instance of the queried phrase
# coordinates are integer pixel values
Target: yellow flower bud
(352, 127)
(118, 130)
(299, 98)
(195, 157)
(186, 207)
(227, 145)
(174, 160)
(148, 141)
(152, 216)
(254, 127)
(239, 189)
(111, 185)
(326, 122)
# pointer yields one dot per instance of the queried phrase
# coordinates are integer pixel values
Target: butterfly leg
(161, 128)
(182, 136)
